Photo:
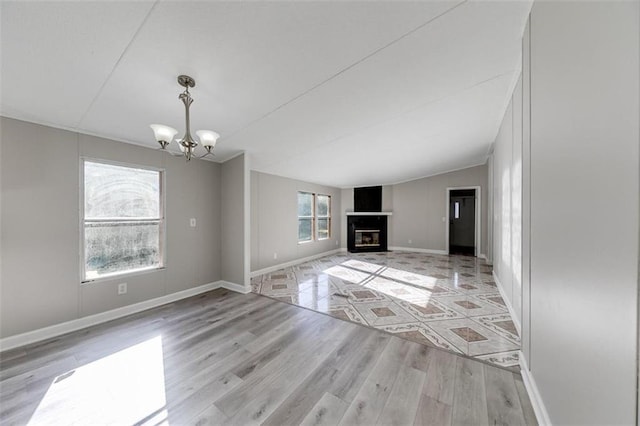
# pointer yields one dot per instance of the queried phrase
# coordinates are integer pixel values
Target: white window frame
(312, 217)
(83, 221)
(328, 217)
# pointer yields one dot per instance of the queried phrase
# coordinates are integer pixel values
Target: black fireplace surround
(367, 231)
(366, 226)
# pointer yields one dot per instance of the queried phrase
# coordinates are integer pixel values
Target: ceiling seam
(390, 118)
(342, 71)
(124, 51)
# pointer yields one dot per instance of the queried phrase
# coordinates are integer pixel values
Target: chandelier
(165, 134)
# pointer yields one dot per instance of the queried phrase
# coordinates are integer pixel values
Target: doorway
(462, 221)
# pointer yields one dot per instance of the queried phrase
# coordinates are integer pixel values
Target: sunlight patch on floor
(409, 277)
(396, 283)
(347, 274)
(126, 387)
(399, 291)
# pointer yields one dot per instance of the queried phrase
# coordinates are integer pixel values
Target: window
(314, 217)
(123, 221)
(323, 214)
(305, 216)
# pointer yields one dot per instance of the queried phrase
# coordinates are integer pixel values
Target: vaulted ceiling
(340, 93)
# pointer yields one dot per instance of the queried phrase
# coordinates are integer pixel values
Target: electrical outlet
(192, 222)
(410, 241)
(122, 288)
(337, 242)
(275, 256)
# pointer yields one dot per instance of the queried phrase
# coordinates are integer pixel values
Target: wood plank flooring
(227, 358)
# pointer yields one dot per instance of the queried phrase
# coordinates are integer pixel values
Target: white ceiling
(339, 93)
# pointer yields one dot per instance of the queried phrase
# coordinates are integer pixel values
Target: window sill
(122, 275)
(305, 242)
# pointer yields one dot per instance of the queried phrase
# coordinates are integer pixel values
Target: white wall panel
(584, 209)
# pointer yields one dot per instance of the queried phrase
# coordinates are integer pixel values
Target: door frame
(477, 241)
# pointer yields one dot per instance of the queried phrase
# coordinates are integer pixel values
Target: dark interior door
(462, 221)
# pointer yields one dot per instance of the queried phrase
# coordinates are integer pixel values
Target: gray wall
(232, 205)
(420, 205)
(584, 209)
(274, 220)
(40, 227)
(506, 163)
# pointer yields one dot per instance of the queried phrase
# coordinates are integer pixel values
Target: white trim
(162, 219)
(490, 218)
(295, 262)
(478, 209)
(430, 251)
(246, 267)
(238, 288)
(86, 132)
(116, 276)
(418, 250)
(512, 312)
(390, 183)
(29, 337)
(369, 213)
(534, 395)
(237, 154)
(443, 172)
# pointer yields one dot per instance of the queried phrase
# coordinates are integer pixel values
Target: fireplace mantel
(369, 213)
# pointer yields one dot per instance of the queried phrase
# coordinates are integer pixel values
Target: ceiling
(339, 93)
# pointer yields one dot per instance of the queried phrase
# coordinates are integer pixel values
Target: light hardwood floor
(226, 358)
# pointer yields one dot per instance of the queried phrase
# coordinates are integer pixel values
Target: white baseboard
(238, 288)
(419, 250)
(534, 395)
(512, 312)
(295, 262)
(430, 251)
(29, 337)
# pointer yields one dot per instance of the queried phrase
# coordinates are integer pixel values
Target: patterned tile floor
(446, 301)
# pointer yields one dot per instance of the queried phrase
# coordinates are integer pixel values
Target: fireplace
(367, 225)
(367, 232)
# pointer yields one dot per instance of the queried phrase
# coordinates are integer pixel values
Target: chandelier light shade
(208, 138)
(164, 134)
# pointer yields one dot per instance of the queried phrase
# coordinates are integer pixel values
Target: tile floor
(450, 302)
